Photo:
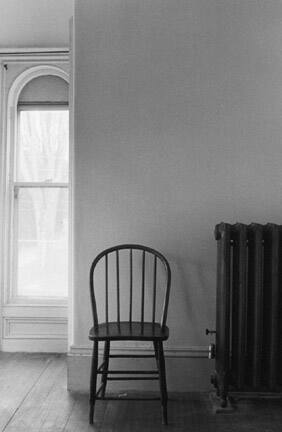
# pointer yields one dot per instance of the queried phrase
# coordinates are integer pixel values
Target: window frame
(14, 297)
(10, 132)
(31, 326)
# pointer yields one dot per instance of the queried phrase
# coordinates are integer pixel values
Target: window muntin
(41, 203)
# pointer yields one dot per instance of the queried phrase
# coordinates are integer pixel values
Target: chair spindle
(107, 289)
(154, 290)
(130, 287)
(118, 296)
(143, 287)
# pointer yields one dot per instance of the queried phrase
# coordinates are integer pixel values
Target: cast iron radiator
(248, 349)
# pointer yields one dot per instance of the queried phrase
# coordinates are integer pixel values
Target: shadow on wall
(192, 301)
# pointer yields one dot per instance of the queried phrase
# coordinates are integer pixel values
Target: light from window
(41, 203)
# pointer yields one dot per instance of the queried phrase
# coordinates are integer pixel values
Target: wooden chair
(141, 329)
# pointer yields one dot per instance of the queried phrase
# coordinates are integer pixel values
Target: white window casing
(25, 324)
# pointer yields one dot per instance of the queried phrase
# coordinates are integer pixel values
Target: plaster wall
(35, 23)
(177, 126)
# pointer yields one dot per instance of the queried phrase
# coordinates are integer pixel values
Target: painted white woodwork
(25, 324)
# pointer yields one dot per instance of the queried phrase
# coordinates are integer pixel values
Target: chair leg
(93, 381)
(106, 367)
(156, 352)
(162, 380)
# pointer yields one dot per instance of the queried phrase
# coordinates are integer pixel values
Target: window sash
(43, 106)
(16, 295)
(19, 185)
(15, 187)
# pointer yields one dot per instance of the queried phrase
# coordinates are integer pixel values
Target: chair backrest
(141, 266)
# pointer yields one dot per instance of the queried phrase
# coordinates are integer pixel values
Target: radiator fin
(249, 299)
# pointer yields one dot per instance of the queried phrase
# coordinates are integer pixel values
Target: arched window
(34, 196)
(40, 216)
(39, 177)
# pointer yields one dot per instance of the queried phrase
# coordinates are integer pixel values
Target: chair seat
(129, 331)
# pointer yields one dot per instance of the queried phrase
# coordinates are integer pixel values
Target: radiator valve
(210, 331)
(211, 351)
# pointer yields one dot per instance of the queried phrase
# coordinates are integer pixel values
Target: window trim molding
(9, 124)
(27, 76)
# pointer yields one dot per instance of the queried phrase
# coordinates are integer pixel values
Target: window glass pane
(42, 151)
(41, 248)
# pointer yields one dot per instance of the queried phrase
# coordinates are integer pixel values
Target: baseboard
(34, 345)
(237, 395)
(188, 369)
(187, 352)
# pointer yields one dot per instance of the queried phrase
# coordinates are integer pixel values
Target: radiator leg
(220, 400)
(222, 383)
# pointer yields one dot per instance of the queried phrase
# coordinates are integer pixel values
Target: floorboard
(34, 398)
(47, 405)
(18, 375)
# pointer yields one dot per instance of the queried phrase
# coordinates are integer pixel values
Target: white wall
(178, 108)
(35, 23)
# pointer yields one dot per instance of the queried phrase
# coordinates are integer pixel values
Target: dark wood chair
(153, 283)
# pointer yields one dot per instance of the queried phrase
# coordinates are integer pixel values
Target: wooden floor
(33, 398)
